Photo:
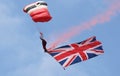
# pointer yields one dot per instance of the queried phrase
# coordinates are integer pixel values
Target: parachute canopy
(77, 52)
(38, 11)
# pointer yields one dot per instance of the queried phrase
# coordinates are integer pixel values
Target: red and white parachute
(38, 11)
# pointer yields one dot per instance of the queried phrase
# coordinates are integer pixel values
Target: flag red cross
(78, 49)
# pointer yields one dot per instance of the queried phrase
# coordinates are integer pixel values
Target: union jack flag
(77, 52)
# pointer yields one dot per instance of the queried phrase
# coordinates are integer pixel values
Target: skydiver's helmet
(38, 11)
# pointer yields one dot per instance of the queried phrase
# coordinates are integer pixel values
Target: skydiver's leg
(44, 43)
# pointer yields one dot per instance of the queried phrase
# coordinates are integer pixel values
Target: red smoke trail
(101, 18)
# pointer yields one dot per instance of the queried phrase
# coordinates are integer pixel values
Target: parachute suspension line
(37, 27)
(41, 35)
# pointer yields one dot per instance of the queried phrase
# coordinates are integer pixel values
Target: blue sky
(21, 53)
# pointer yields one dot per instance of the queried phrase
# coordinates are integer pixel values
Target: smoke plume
(100, 18)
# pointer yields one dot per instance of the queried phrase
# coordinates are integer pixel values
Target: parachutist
(43, 43)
